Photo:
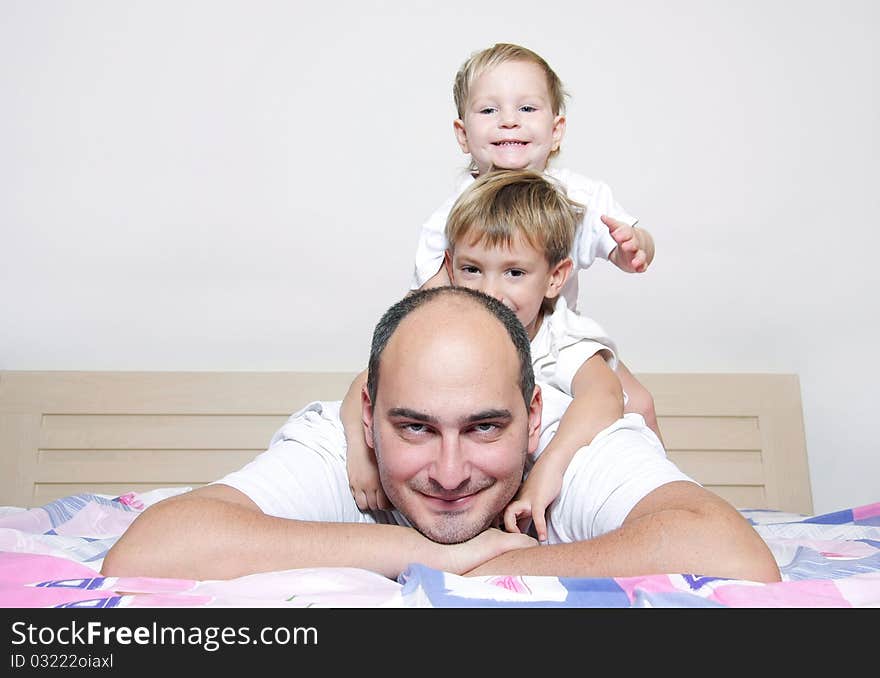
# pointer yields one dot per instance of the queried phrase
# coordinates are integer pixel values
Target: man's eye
(486, 427)
(412, 428)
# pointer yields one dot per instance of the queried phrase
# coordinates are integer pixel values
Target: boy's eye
(528, 109)
(487, 111)
(470, 270)
(516, 273)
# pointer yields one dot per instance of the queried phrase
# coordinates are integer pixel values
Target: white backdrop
(239, 185)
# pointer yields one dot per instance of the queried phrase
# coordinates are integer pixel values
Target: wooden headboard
(740, 435)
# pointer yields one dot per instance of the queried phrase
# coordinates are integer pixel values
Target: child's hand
(630, 255)
(363, 480)
(537, 493)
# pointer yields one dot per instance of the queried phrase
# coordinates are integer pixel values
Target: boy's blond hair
(486, 59)
(503, 203)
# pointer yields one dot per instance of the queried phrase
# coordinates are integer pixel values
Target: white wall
(239, 185)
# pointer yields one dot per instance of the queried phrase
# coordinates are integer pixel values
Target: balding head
(446, 304)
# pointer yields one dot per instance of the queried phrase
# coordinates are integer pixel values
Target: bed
(83, 453)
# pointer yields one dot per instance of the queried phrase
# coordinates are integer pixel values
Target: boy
(510, 105)
(509, 235)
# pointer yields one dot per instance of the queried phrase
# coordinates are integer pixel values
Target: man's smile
(451, 503)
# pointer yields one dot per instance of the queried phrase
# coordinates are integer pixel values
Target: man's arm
(679, 527)
(217, 532)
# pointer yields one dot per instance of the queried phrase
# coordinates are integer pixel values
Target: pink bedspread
(51, 557)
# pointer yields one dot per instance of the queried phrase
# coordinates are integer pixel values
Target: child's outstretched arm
(360, 462)
(597, 403)
(635, 246)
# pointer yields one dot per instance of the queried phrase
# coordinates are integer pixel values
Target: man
(452, 413)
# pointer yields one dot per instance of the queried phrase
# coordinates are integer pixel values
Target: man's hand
(485, 546)
(635, 248)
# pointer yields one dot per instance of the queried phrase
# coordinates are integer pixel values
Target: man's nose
(451, 469)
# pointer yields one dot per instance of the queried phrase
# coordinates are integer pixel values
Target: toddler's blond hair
(486, 59)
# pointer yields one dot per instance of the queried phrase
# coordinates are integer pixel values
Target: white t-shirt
(564, 342)
(591, 241)
(303, 474)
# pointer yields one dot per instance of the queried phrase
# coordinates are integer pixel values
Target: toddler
(511, 107)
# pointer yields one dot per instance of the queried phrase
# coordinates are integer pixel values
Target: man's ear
(461, 135)
(536, 407)
(558, 276)
(367, 416)
(558, 131)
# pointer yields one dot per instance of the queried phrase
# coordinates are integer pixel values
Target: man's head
(511, 109)
(509, 235)
(451, 409)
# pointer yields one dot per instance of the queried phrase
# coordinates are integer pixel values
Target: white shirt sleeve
(432, 239)
(592, 239)
(302, 476)
(564, 343)
(606, 479)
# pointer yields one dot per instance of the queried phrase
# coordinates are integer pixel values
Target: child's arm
(597, 403)
(635, 246)
(360, 462)
(639, 399)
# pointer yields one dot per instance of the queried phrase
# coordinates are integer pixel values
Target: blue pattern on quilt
(836, 518)
(593, 591)
(698, 581)
(810, 564)
(671, 599)
(872, 521)
(85, 584)
(62, 510)
(580, 592)
(94, 603)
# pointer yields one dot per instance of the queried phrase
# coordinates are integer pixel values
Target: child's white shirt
(592, 239)
(564, 342)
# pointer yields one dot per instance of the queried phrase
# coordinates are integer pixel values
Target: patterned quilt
(51, 557)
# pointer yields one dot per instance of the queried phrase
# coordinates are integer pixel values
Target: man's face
(449, 425)
(509, 121)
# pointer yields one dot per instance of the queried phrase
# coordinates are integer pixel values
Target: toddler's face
(509, 121)
(518, 275)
